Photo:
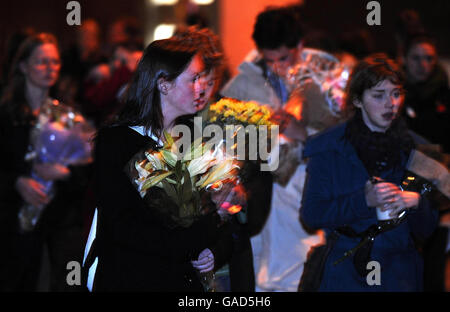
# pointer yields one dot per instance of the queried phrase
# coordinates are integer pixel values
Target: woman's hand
(205, 262)
(388, 196)
(51, 172)
(31, 191)
(403, 200)
(380, 194)
(229, 200)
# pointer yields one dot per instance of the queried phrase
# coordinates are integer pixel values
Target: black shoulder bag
(315, 264)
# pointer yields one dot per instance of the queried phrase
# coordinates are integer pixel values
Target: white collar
(141, 131)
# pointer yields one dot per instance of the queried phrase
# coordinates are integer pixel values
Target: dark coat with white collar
(135, 251)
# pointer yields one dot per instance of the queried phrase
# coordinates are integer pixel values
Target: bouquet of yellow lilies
(204, 167)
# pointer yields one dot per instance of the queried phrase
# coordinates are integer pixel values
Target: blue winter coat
(334, 197)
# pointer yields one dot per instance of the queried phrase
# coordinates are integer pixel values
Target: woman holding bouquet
(237, 273)
(354, 173)
(136, 246)
(34, 71)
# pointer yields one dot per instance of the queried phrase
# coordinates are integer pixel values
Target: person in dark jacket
(342, 195)
(237, 272)
(34, 71)
(427, 99)
(136, 248)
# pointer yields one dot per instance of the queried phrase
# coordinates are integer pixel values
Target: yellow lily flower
(223, 170)
(152, 181)
(155, 160)
(202, 164)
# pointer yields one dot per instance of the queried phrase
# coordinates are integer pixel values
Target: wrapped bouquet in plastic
(325, 71)
(60, 136)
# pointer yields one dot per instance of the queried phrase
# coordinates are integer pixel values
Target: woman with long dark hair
(34, 71)
(135, 249)
(353, 189)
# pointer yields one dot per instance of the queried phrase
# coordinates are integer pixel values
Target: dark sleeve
(124, 216)
(320, 209)
(67, 207)
(13, 146)
(259, 192)
(7, 178)
(222, 246)
(423, 220)
(12, 153)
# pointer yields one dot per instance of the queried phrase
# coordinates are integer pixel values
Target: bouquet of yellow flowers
(229, 111)
(183, 177)
(250, 123)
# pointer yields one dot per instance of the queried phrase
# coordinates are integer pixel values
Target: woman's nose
(53, 66)
(393, 101)
(389, 102)
(199, 87)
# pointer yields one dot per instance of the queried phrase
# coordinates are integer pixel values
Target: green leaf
(170, 190)
(155, 179)
(172, 181)
(187, 188)
(169, 157)
(178, 170)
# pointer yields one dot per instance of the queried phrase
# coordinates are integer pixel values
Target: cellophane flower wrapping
(326, 72)
(63, 136)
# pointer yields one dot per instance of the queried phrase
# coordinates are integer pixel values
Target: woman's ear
(163, 86)
(23, 67)
(357, 103)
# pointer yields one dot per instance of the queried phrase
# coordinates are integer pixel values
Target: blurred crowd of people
(269, 252)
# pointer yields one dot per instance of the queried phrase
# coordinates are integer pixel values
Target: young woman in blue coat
(355, 169)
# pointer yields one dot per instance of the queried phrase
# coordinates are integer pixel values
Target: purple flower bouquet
(61, 136)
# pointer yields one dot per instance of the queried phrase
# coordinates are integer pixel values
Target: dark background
(334, 17)
(339, 16)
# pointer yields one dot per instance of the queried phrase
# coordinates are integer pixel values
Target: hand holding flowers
(184, 178)
(51, 171)
(61, 137)
(32, 192)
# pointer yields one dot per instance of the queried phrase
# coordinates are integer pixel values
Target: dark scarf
(378, 151)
